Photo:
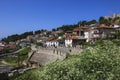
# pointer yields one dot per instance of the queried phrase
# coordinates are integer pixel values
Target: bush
(23, 54)
(39, 44)
(100, 63)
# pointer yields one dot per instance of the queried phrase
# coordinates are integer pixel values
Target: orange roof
(72, 37)
(68, 31)
(108, 27)
(55, 32)
(79, 28)
(89, 29)
(49, 39)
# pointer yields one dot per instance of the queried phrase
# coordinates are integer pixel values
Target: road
(5, 69)
(10, 54)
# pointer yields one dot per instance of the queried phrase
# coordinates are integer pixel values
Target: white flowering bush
(99, 63)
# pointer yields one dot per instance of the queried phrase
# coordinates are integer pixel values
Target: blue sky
(18, 16)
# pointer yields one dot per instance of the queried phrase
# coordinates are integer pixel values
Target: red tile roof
(80, 28)
(72, 37)
(107, 27)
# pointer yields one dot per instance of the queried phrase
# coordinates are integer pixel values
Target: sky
(19, 16)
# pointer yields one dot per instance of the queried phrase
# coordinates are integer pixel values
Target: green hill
(98, 63)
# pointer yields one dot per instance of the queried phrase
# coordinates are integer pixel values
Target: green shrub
(23, 54)
(100, 63)
(39, 44)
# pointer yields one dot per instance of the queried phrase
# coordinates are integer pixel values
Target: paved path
(10, 54)
(4, 69)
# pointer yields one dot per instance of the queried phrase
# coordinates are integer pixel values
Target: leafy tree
(117, 34)
(102, 20)
(16, 37)
(116, 19)
(82, 23)
(38, 32)
(39, 44)
(91, 22)
(67, 27)
(54, 29)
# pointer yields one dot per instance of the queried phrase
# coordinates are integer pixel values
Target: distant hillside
(109, 20)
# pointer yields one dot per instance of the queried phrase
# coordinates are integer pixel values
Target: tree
(16, 37)
(91, 22)
(38, 32)
(82, 23)
(54, 29)
(102, 20)
(67, 27)
(116, 19)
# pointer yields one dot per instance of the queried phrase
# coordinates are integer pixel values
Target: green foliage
(13, 60)
(39, 44)
(9, 61)
(38, 32)
(9, 50)
(67, 27)
(102, 20)
(116, 41)
(16, 37)
(23, 54)
(99, 63)
(84, 23)
(116, 34)
(116, 19)
(91, 22)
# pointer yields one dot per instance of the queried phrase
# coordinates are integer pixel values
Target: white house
(68, 42)
(116, 25)
(87, 36)
(83, 33)
(52, 43)
(1, 44)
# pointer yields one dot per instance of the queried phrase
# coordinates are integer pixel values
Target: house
(82, 33)
(102, 32)
(73, 41)
(12, 45)
(76, 31)
(29, 37)
(2, 46)
(113, 16)
(50, 42)
(55, 33)
(116, 25)
(68, 33)
(41, 39)
(68, 42)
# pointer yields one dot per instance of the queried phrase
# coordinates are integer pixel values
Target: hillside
(99, 63)
(108, 21)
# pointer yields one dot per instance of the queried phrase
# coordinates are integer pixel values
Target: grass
(13, 61)
(9, 61)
